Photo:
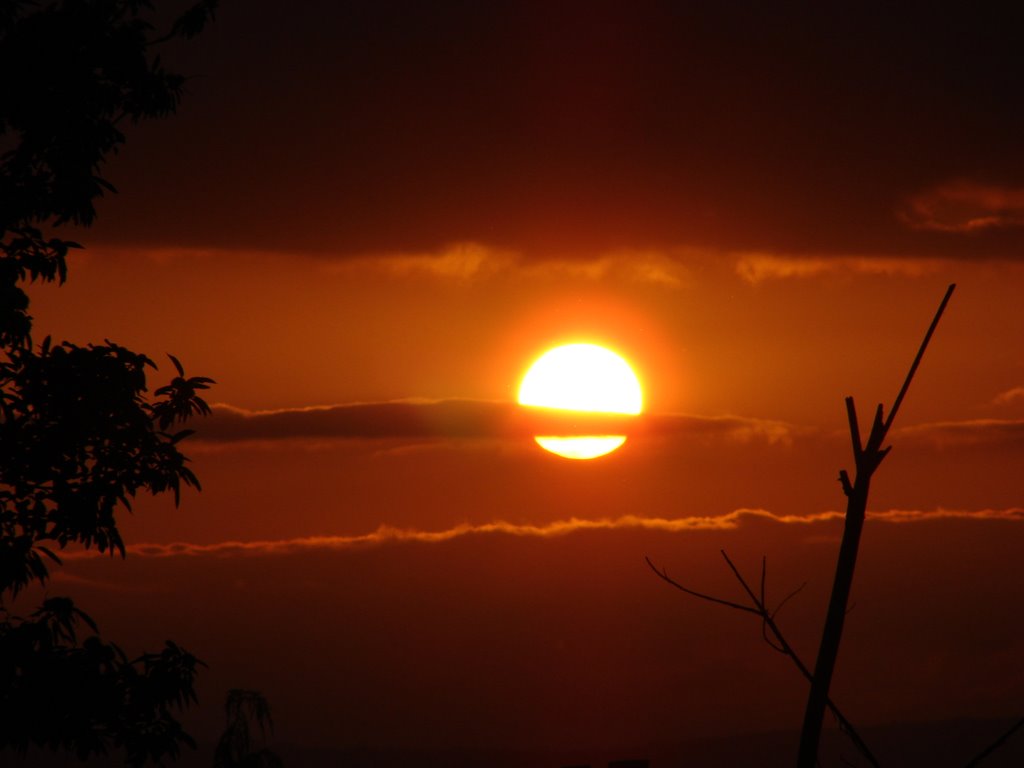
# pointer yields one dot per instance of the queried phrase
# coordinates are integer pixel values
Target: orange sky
(761, 214)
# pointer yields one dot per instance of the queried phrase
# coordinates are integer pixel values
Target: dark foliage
(83, 697)
(77, 440)
(80, 435)
(246, 711)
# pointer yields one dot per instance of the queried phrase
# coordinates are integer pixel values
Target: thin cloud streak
(964, 206)
(470, 262)
(464, 262)
(1013, 514)
(386, 534)
(755, 268)
(461, 262)
(971, 432)
(1013, 395)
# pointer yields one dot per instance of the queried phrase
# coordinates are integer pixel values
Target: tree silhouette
(79, 435)
(246, 712)
(868, 456)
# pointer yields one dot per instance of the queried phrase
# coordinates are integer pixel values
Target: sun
(582, 377)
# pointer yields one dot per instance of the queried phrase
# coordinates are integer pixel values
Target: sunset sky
(368, 218)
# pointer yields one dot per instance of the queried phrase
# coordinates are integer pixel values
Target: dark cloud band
(456, 419)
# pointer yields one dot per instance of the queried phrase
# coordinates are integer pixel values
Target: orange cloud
(471, 262)
(980, 432)
(386, 534)
(965, 206)
(757, 267)
(1009, 396)
(918, 516)
(461, 261)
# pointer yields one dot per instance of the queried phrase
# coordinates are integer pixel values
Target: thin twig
(920, 354)
(787, 598)
(764, 578)
(995, 744)
(851, 417)
(663, 575)
(780, 643)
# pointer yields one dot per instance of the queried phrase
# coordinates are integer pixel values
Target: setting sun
(582, 377)
(476, 320)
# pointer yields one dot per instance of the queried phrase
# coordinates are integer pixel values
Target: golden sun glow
(582, 377)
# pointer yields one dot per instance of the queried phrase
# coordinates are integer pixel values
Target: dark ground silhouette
(936, 745)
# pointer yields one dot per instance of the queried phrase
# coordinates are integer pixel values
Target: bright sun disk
(582, 377)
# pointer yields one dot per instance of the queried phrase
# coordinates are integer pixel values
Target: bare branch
(772, 635)
(844, 480)
(995, 744)
(851, 415)
(764, 576)
(663, 575)
(877, 435)
(787, 598)
(739, 577)
(920, 353)
(868, 458)
(773, 644)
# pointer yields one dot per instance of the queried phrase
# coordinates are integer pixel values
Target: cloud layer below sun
(386, 534)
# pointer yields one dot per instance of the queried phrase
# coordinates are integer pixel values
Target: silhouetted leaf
(49, 554)
(178, 436)
(192, 21)
(177, 365)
